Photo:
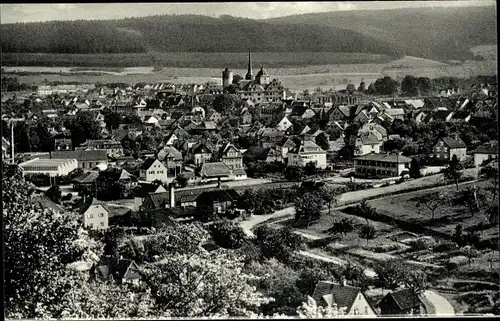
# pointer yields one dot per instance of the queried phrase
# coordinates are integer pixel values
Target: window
(91, 215)
(102, 223)
(101, 214)
(91, 225)
(366, 309)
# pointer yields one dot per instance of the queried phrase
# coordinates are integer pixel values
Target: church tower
(227, 77)
(249, 75)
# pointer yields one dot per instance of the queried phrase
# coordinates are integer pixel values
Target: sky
(11, 13)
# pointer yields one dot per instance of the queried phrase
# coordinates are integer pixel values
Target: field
(297, 71)
(446, 217)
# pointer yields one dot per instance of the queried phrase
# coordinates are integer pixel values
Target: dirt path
(256, 219)
(440, 303)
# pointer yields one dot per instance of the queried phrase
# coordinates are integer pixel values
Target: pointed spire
(249, 75)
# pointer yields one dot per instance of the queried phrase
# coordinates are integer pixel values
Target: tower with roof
(249, 75)
(262, 78)
(227, 77)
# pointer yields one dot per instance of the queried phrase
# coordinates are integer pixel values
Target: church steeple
(249, 75)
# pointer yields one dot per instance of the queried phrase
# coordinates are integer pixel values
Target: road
(257, 219)
(440, 303)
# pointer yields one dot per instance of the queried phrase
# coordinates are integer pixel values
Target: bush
(445, 246)
(67, 197)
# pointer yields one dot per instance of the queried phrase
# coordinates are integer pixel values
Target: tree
(415, 168)
(365, 210)
(38, 246)
(328, 195)
(468, 198)
(54, 193)
(310, 310)
(277, 243)
(294, 173)
(112, 119)
(310, 169)
(386, 85)
(453, 172)
(182, 180)
(350, 89)
(391, 274)
(236, 79)
(83, 127)
(368, 232)
(342, 227)
(362, 87)
(492, 213)
(409, 85)
(307, 208)
(416, 280)
(431, 201)
(202, 285)
(228, 234)
(371, 89)
(323, 141)
(470, 252)
(491, 174)
(459, 239)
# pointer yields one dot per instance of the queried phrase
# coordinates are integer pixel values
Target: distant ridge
(433, 33)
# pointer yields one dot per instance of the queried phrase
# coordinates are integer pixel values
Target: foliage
(385, 85)
(202, 285)
(391, 274)
(276, 280)
(431, 201)
(227, 234)
(310, 310)
(368, 232)
(182, 180)
(112, 119)
(38, 247)
(279, 243)
(54, 193)
(294, 173)
(363, 209)
(453, 172)
(310, 169)
(416, 280)
(470, 252)
(307, 208)
(492, 213)
(415, 168)
(469, 198)
(83, 127)
(415, 86)
(323, 141)
(342, 227)
(265, 201)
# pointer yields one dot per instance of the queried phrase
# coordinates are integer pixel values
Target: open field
(446, 217)
(331, 73)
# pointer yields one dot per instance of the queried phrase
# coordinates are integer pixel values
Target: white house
(381, 165)
(484, 153)
(96, 216)
(345, 296)
(305, 153)
(152, 169)
(284, 124)
(367, 143)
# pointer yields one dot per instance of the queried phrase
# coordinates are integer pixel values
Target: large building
(256, 88)
(381, 165)
(51, 167)
(305, 153)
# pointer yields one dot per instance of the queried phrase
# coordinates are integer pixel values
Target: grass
(446, 217)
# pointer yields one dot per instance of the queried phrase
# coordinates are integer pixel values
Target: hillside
(433, 33)
(187, 33)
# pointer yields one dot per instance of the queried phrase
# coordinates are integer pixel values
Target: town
(244, 198)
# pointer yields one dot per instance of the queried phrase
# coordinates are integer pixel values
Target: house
(51, 167)
(246, 117)
(284, 124)
(402, 302)
(446, 147)
(202, 154)
(485, 153)
(172, 158)
(87, 159)
(171, 139)
(376, 129)
(305, 153)
(152, 169)
(215, 171)
(63, 144)
(367, 143)
(381, 165)
(352, 298)
(339, 114)
(111, 176)
(273, 155)
(362, 117)
(395, 113)
(440, 115)
(85, 182)
(336, 129)
(231, 156)
(123, 270)
(96, 215)
(42, 202)
(5, 148)
(111, 146)
(220, 200)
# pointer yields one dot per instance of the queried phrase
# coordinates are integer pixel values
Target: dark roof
(127, 269)
(202, 149)
(453, 143)
(80, 155)
(158, 200)
(342, 295)
(147, 163)
(216, 169)
(255, 153)
(86, 178)
(42, 202)
(116, 174)
(145, 189)
(220, 195)
(486, 150)
(405, 298)
(391, 158)
(368, 138)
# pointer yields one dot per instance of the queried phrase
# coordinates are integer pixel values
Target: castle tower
(227, 77)
(249, 75)
(262, 78)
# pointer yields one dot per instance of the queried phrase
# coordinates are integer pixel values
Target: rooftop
(390, 158)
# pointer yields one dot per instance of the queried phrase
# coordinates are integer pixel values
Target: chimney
(343, 281)
(219, 183)
(172, 195)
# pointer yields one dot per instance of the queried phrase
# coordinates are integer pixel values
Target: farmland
(297, 71)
